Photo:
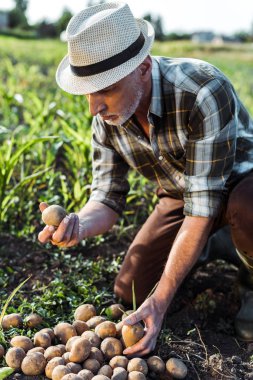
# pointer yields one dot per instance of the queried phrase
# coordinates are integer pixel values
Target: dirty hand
(66, 235)
(152, 313)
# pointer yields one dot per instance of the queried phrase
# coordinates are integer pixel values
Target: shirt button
(160, 158)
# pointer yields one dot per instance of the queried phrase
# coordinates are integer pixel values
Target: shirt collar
(156, 104)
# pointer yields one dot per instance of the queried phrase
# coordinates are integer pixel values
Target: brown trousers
(148, 253)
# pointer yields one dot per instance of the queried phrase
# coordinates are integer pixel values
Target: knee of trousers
(240, 218)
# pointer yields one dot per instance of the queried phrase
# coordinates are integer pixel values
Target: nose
(96, 104)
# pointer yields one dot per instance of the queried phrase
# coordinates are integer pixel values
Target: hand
(152, 313)
(66, 235)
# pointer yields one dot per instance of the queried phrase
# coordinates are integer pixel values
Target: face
(118, 102)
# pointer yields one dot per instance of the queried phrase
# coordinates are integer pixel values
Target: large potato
(92, 337)
(137, 364)
(131, 334)
(52, 352)
(156, 364)
(95, 353)
(12, 320)
(106, 329)
(59, 371)
(85, 374)
(49, 331)
(92, 365)
(85, 312)
(33, 320)
(70, 342)
(34, 364)
(119, 373)
(22, 342)
(119, 361)
(80, 327)
(64, 331)
(53, 215)
(42, 339)
(80, 350)
(111, 347)
(94, 321)
(135, 375)
(52, 364)
(74, 367)
(106, 370)
(14, 357)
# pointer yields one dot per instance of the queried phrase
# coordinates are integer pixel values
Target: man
(178, 122)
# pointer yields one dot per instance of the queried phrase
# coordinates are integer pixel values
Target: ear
(146, 68)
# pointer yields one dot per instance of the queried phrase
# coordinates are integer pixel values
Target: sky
(220, 16)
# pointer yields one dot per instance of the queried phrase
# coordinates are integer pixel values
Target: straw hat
(105, 44)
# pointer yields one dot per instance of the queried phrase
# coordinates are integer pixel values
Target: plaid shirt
(200, 145)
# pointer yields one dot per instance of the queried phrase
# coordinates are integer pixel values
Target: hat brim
(75, 85)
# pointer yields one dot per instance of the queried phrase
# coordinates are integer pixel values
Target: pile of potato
(89, 348)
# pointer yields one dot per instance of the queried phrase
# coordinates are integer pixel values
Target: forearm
(185, 252)
(95, 219)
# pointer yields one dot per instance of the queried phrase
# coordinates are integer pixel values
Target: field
(45, 156)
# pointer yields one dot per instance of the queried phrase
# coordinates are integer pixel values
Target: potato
(74, 367)
(66, 357)
(59, 371)
(137, 364)
(64, 331)
(92, 365)
(80, 327)
(92, 337)
(42, 339)
(80, 350)
(115, 311)
(119, 361)
(84, 312)
(49, 331)
(22, 342)
(111, 347)
(95, 353)
(135, 375)
(176, 368)
(126, 314)
(100, 377)
(12, 320)
(14, 357)
(62, 348)
(119, 373)
(106, 329)
(106, 370)
(33, 320)
(156, 364)
(70, 342)
(94, 321)
(2, 351)
(52, 364)
(36, 349)
(53, 215)
(34, 364)
(85, 374)
(71, 376)
(131, 334)
(52, 352)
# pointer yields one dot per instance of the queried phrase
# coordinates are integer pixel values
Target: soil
(199, 327)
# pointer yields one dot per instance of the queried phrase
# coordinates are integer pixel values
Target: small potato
(111, 347)
(2, 351)
(12, 320)
(71, 376)
(52, 364)
(126, 314)
(94, 321)
(64, 331)
(156, 364)
(100, 377)
(74, 367)
(115, 311)
(92, 337)
(49, 331)
(92, 365)
(119, 373)
(34, 364)
(106, 329)
(95, 353)
(59, 371)
(66, 357)
(85, 374)
(22, 342)
(52, 352)
(85, 312)
(80, 327)
(106, 370)
(14, 357)
(33, 320)
(42, 339)
(131, 334)
(137, 364)
(62, 348)
(80, 350)
(70, 342)
(53, 215)
(36, 349)
(119, 361)
(135, 375)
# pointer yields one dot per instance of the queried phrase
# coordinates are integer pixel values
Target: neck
(141, 112)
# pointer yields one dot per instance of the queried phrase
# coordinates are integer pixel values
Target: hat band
(112, 62)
